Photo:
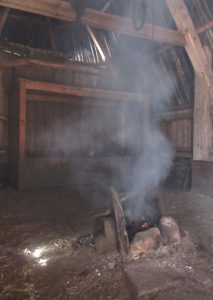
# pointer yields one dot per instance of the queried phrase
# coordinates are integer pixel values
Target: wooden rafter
(193, 45)
(62, 10)
(123, 25)
(54, 9)
(202, 64)
(205, 27)
(199, 30)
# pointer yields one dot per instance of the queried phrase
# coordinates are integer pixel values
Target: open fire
(138, 233)
(147, 216)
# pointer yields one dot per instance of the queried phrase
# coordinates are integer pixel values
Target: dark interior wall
(179, 132)
(71, 143)
(5, 92)
(8, 78)
(89, 129)
(202, 176)
(89, 141)
(42, 117)
(67, 130)
(39, 73)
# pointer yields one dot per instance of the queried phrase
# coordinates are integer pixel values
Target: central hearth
(134, 227)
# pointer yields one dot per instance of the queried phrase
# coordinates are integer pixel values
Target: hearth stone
(144, 242)
(106, 240)
(169, 230)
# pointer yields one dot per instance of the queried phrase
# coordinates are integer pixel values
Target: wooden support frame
(201, 61)
(205, 27)
(199, 30)
(193, 45)
(25, 89)
(21, 131)
(62, 10)
(123, 25)
(81, 91)
(53, 8)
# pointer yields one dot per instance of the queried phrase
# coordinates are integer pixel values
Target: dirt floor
(47, 252)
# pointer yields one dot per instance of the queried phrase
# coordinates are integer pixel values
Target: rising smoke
(152, 152)
(153, 165)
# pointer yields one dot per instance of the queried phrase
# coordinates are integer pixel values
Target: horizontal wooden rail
(81, 91)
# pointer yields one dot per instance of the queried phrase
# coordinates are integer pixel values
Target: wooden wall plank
(22, 133)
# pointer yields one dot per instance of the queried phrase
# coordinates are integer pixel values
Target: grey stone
(106, 240)
(169, 230)
(149, 278)
(144, 242)
(111, 265)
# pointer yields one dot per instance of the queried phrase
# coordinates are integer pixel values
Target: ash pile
(137, 233)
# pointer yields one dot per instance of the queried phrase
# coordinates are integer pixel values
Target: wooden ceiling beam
(54, 9)
(123, 25)
(193, 45)
(62, 10)
(205, 27)
(201, 61)
(199, 30)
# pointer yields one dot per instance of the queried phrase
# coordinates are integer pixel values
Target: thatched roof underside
(127, 54)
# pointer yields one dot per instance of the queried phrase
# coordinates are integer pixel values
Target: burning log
(147, 215)
(138, 225)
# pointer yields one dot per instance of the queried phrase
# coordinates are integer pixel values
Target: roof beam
(201, 61)
(193, 45)
(55, 9)
(205, 27)
(123, 25)
(62, 10)
(200, 30)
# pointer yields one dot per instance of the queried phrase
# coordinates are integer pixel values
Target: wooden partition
(38, 158)
(177, 125)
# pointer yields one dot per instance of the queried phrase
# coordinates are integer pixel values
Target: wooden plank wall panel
(5, 90)
(202, 176)
(62, 172)
(60, 129)
(61, 77)
(2, 113)
(179, 132)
